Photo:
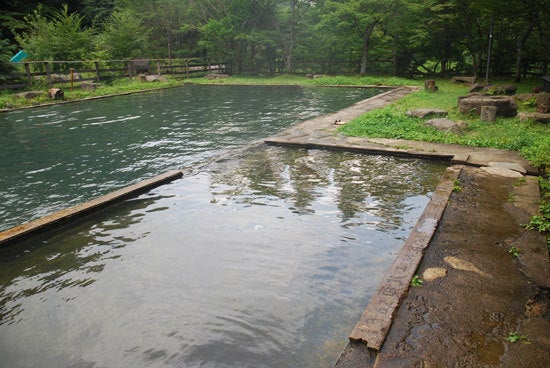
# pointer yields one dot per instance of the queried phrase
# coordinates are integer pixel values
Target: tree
(359, 17)
(289, 18)
(58, 36)
(124, 37)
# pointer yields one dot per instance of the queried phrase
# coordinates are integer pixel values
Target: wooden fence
(56, 73)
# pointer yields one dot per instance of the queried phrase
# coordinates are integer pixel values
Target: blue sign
(19, 56)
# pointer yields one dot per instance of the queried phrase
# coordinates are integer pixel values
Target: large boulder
(500, 89)
(155, 78)
(535, 116)
(467, 80)
(471, 104)
(543, 103)
(29, 95)
(89, 86)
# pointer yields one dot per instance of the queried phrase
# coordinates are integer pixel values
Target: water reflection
(56, 156)
(265, 260)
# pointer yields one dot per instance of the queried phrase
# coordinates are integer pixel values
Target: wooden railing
(55, 73)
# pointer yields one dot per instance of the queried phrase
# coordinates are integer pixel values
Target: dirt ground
(475, 293)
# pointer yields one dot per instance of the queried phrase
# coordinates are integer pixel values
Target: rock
(58, 78)
(155, 78)
(309, 76)
(500, 89)
(216, 76)
(508, 165)
(427, 113)
(315, 76)
(523, 97)
(56, 93)
(446, 125)
(543, 103)
(433, 273)
(469, 80)
(138, 66)
(488, 113)
(429, 85)
(477, 87)
(502, 171)
(463, 265)
(29, 95)
(535, 116)
(89, 86)
(141, 78)
(471, 104)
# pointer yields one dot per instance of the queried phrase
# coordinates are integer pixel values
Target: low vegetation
(531, 139)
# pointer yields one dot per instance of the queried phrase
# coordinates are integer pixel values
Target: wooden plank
(80, 210)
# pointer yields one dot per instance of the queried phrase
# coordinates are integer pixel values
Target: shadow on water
(262, 260)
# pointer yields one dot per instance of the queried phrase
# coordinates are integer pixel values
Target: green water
(263, 260)
(62, 155)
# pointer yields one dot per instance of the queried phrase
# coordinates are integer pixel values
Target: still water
(54, 157)
(262, 260)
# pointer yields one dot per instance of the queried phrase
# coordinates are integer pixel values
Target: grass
(295, 79)
(8, 100)
(531, 139)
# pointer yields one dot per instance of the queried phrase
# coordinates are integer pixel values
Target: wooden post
(429, 85)
(28, 71)
(96, 63)
(130, 72)
(72, 78)
(187, 68)
(48, 76)
(158, 68)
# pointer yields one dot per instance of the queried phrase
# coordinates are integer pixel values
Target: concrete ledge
(378, 316)
(372, 149)
(80, 210)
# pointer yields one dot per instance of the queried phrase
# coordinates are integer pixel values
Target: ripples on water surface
(266, 260)
(63, 155)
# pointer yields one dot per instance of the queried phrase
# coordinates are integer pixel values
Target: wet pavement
(476, 294)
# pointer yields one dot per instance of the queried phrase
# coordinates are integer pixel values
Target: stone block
(506, 106)
(488, 113)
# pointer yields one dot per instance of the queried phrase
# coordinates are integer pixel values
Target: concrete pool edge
(378, 316)
(74, 212)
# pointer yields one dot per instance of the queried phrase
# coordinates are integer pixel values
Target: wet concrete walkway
(475, 291)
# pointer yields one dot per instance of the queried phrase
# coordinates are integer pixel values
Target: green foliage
(541, 222)
(416, 281)
(514, 251)
(57, 36)
(531, 139)
(456, 186)
(514, 336)
(124, 37)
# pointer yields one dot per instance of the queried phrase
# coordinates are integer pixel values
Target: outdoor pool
(57, 156)
(266, 259)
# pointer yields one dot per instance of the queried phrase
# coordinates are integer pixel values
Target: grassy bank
(531, 139)
(8, 100)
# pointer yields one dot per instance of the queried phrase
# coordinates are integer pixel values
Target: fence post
(96, 63)
(187, 68)
(158, 67)
(48, 76)
(28, 71)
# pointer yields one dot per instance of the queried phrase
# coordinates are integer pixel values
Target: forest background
(265, 37)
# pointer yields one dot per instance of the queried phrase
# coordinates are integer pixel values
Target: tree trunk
(519, 52)
(366, 47)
